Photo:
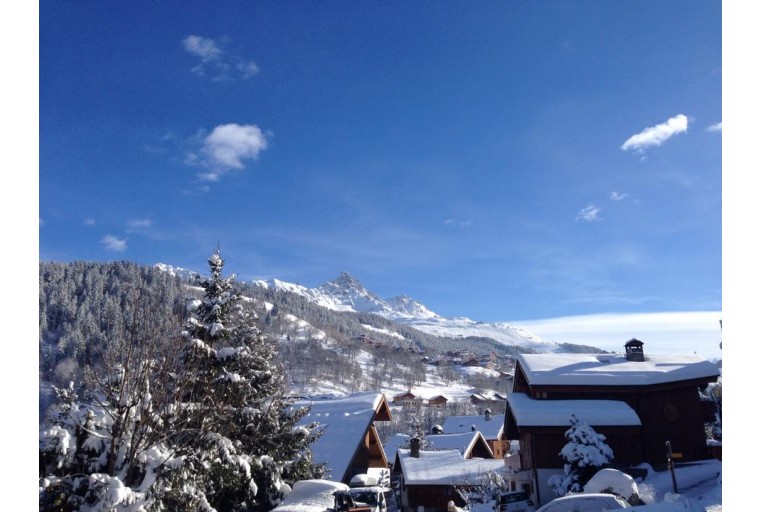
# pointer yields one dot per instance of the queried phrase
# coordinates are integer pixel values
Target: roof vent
(634, 350)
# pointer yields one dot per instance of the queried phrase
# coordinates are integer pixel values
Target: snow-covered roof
(556, 413)
(463, 442)
(445, 467)
(613, 369)
(491, 429)
(311, 496)
(345, 421)
(393, 443)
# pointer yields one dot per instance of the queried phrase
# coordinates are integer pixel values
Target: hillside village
(442, 420)
(638, 402)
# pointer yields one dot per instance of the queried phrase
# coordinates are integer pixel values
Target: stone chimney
(488, 414)
(634, 350)
(414, 444)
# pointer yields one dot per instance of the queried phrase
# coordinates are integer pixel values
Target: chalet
(428, 480)
(437, 401)
(471, 445)
(490, 426)
(487, 401)
(638, 401)
(350, 444)
(407, 398)
(540, 426)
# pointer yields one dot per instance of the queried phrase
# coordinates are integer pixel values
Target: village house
(437, 401)
(472, 445)
(407, 398)
(428, 480)
(639, 402)
(350, 444)
(488, 401)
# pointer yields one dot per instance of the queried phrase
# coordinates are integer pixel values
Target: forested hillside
(83, 306)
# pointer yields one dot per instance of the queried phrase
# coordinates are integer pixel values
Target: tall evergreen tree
(181, 419)
(241, 443)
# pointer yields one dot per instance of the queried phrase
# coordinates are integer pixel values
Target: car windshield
(368, 497)
(513, 497)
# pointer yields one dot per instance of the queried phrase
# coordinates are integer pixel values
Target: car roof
(589, 496)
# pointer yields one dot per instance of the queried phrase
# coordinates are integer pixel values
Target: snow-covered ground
(699, 485)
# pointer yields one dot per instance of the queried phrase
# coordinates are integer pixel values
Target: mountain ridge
(346, 293)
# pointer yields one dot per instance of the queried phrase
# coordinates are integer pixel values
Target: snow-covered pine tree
(168, 422)
(241, 442)
(585, 453)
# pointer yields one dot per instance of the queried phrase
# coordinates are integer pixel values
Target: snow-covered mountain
(346, 293)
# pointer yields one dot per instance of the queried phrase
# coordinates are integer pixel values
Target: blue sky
(501, 160)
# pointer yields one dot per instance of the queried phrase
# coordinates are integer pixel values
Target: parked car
(592, 502)
(374, 497)
(517, 501)
(366, 491)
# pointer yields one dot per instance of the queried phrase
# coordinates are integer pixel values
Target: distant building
(437, 401)
(407, 398)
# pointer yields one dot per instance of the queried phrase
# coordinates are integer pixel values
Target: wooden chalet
(428, 480)
(471, 445)
(350, 443)
(437, 401)
(637, 401)
(407, 398)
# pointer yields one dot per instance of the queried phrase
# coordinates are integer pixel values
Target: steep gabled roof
(491, 429)
(613, 370)
(466, 443)
(345, 422)
(528, 412)
(446, 467)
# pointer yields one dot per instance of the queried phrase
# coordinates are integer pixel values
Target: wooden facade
(431, 498)
(668, 412)
(438, 401)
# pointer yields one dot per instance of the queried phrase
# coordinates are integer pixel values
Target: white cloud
(247, 69)
(717, 127)
(664, 332)
(215, 62)
(228, 145)
(88, 222)
(460, 223)
(136, 224)
(202, 47)
(617, 196)
(656, 135)
(113, 243)
(589, 213)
